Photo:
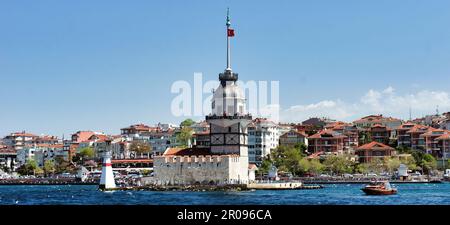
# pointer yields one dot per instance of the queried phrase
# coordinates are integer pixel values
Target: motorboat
(379, 188)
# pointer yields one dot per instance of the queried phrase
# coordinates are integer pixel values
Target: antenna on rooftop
(437, 110)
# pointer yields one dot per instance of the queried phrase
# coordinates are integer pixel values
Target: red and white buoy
(107, 181)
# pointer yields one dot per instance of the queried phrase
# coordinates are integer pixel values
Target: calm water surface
(342, 194)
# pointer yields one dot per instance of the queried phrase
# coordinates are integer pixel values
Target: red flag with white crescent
(230, 32)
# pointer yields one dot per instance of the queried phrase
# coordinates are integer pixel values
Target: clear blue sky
(102, 65)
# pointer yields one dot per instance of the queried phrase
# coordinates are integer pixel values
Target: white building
(263, 136)
(226, 161)
(41, 153)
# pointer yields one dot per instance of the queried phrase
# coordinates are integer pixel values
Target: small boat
(379, 188)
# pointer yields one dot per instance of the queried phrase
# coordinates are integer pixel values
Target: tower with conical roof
(229, 119)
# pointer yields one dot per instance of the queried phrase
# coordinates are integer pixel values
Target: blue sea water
(339, 194)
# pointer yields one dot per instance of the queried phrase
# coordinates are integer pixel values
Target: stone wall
(215, 169)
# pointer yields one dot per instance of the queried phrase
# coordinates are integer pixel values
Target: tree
(315, 166)
(184, 136)
(49, 167)
(265, 165)
(392, 164)
(429, 163)
(304, 166)
(140, 147)
(187, 123)
(338, 164)
(86, 153)
(31, 166)
(376, 165)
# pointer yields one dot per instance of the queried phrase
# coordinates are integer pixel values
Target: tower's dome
(229, 91)
(229, 100)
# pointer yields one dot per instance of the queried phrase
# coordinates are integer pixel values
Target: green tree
(392, 164)
(338, 164)
(265, 165)
(87, 153)
(362, 168)
(140, 147)
(410, 163)
(31, 166)
(187, 123)
(304, 166)
(376, 165)
(184, 136)
(315, 166)
(49, 167)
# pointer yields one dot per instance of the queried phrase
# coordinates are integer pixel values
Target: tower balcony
(229, 117)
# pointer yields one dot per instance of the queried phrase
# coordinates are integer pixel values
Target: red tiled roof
(327, 133)
(187, 152)
(302, 133)
(315, 155)
(406, 126)
(83, 136)
(445, 136)
(22, 134)
(420, 129)
(252, 166)
(435, 132)
(375, 146)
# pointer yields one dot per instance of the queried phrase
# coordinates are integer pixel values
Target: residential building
(368, 152)
(417, 140)
(403, 137)
(326, 141)
(137, 129)
(8, 158)
(263, 136)
(19, 140)
(351, 133)
(293, 138)
(40, 153)
(380, 133)
(369, 121)
(435, 142)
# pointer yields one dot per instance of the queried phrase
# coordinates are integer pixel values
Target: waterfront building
(19, 140)
(351, 133)
(369, 121)
(201, 140)
(137, 129)
(403, 137)
(47, 139)
(226, 160)
(379, 133)
(417, 140)
(8, 158)
(368, 152)
(327, 142)
(436, 142)
(293, 138)
(159, 140)
(200, 127)
(263, 137)
(41, 153)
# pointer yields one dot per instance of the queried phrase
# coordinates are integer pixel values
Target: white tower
(229, 120)
(107, 179)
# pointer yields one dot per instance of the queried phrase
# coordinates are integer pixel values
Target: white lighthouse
(107, 181)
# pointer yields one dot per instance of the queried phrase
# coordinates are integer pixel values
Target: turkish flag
(230, 33)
